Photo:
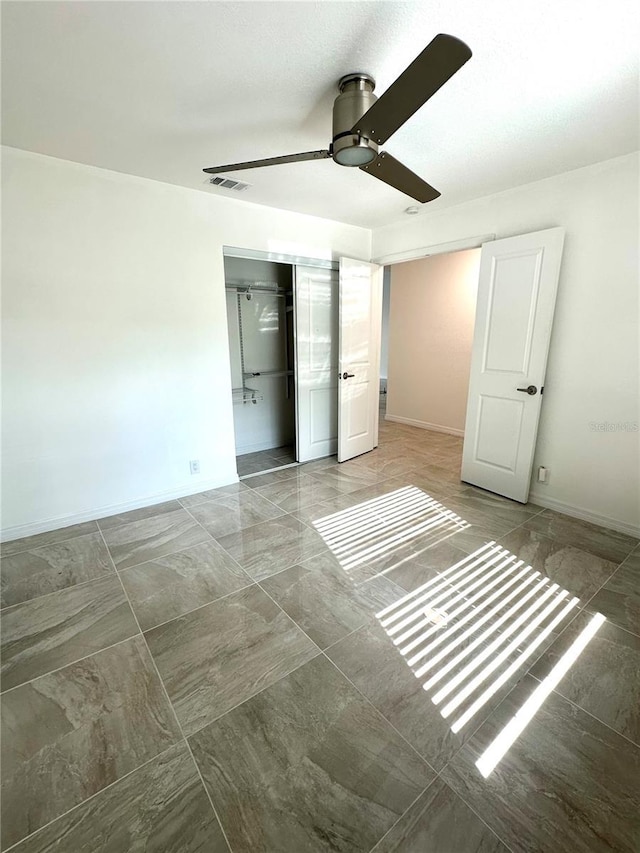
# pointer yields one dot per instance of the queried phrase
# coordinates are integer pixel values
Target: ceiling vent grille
(228, 183)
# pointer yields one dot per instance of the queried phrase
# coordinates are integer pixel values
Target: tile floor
(264, 460)
(210, 674)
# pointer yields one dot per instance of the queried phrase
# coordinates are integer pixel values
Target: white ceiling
(162, 89)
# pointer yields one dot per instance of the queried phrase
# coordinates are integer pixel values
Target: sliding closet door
(316, 324)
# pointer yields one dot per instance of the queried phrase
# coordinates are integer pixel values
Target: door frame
(436, 249)
(475, 242)
(281, 258)
(418, 254)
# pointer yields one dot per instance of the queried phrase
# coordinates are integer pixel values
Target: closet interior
(259, 297)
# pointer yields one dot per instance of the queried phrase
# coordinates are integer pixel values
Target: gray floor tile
(370, 660)
(173, 585)
(319, 596)
(294, 493)
(253, 463)
(137, 514)
(159, 808)
(68, 734)
(477, 535)
(274, 545)
(439, 472)
(387, 465)
(52, 537)
(308, 765)
(494, 505)
(581, 572)
(352, 500)
(440, 490)
(604, 680)
(472, 513)
(220, 655)
(346, 480)
(314, 512)
(150, 538)
(231, 513)
(50, 568)
(294, 473)
(425, 565)
(50, 632)
(440, 822)
(319, 464)
(213, 494)
(568, 780)
(605, 543)
(619, 598)
(296, 757)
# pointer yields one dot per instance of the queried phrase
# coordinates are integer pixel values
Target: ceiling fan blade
(270, 161)
(386, 168)
(439, 61)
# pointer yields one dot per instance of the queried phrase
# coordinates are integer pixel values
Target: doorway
(429, 308)
(304, 343)
(516, 292)
(259, 298)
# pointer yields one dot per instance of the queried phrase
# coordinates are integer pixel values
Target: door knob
(530, 389)
(346, 375)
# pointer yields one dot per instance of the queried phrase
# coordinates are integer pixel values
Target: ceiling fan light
(355, 155)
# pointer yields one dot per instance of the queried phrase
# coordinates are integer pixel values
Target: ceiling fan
(362, 121)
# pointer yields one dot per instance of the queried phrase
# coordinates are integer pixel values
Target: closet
(292, 321)
(259, 296)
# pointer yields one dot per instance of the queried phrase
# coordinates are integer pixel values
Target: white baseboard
(583, 514)
(424, 425)
(44, 526)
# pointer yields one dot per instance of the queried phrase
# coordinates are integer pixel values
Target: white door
(516, 300)
(360, 321)
(316, 337)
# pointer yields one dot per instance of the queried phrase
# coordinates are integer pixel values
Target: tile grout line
(397, 821)
(602, 586)
(59, 542)
(243, 529)
(91, 797)
(70, 663)
(5, 610)
(589, 713)
(380, 714)
(472, 809)
(173, 711)
(195, 609)
(322, 652)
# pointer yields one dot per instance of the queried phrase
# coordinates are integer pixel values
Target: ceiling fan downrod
(349, 147)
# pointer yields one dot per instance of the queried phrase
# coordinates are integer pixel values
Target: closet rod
(257, 286)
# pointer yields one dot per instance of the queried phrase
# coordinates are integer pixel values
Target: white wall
(115, 348)
(432, 316)
(592, 375)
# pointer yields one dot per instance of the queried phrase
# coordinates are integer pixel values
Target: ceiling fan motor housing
(355, 98)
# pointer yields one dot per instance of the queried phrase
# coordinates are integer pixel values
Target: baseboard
(424, 425)
(30, 529)
(584, 514)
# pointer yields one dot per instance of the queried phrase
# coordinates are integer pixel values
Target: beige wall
(433, 303)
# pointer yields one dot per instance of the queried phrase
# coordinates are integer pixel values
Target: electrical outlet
(543, 474)
(194, 466)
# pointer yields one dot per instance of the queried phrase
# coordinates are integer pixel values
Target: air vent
(228, 183)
